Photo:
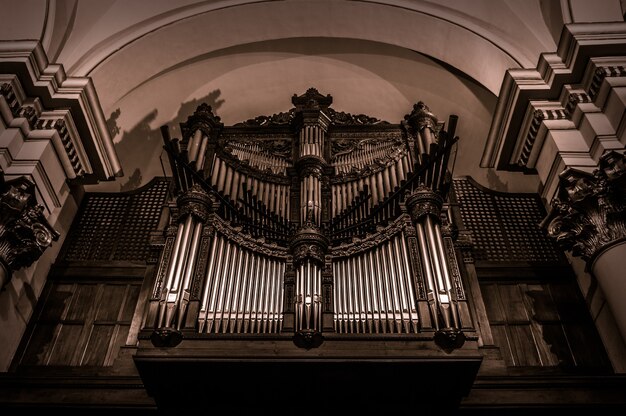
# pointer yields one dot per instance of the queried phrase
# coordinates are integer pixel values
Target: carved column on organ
(424, 206)
(421, 125)
(196, 149)
(180, 268)
(309, 245)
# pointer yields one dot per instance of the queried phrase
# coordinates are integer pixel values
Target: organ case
(308, 228)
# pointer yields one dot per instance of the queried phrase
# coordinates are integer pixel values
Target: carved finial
(202, 119)
(421, 117)
(311, 99)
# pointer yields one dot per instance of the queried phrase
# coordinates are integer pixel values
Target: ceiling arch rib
(156, 43)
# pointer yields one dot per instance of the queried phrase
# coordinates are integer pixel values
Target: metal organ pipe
(373, 293)
(432, 292)
(230, 182)
(311, 141)
(184, 288)
(242, 290)
(445, 267)
(308, 296)
(380, 184)
(175, 271)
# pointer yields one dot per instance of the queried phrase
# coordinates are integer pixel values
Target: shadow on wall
(138, 147)
(495, 183)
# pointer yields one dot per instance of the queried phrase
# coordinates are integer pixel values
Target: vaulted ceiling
(153, 61)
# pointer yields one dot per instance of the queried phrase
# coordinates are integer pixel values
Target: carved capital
(588, 212)
(311, 165)
(424, 201)
(24, 231)
(195, 202)
(310, 243)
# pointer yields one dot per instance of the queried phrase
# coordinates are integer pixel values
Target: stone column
(588, 219)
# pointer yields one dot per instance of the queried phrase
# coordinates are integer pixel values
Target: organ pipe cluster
(242, 290)
(425, 209)
(224, 269)
(178, 264)
(374, 290)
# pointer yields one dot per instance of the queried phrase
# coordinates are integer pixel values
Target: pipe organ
(311, 223)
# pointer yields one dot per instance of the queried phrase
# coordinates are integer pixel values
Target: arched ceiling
(153, 61)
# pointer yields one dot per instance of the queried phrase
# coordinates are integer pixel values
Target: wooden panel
(523, 345)
(65, 345)
(120, 340)
(540, 304)
(39, 344)
(569, 302)
(553, 346)
(513, 303)
(83, 302)
(501, 339)
(98, 345)
(131, 301)
(111, 302)
(586, 349)
(491, 297)
(57, 302)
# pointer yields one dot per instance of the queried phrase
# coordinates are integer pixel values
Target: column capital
(195, 201)
(24, 231)
(424, 201)
(588, 213)
(309, 242)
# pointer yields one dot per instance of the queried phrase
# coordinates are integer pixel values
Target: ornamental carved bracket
(588, 212)
(24, 231)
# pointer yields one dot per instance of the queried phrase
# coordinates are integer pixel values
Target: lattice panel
(116, 226)
(505, 228)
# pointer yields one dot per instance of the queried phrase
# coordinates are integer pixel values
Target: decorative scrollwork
(256, 245)
(381, 235)
(309, 242)
(341, 118)
(244, 167)
(311, 165)
(278, 119)
(202, 119)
